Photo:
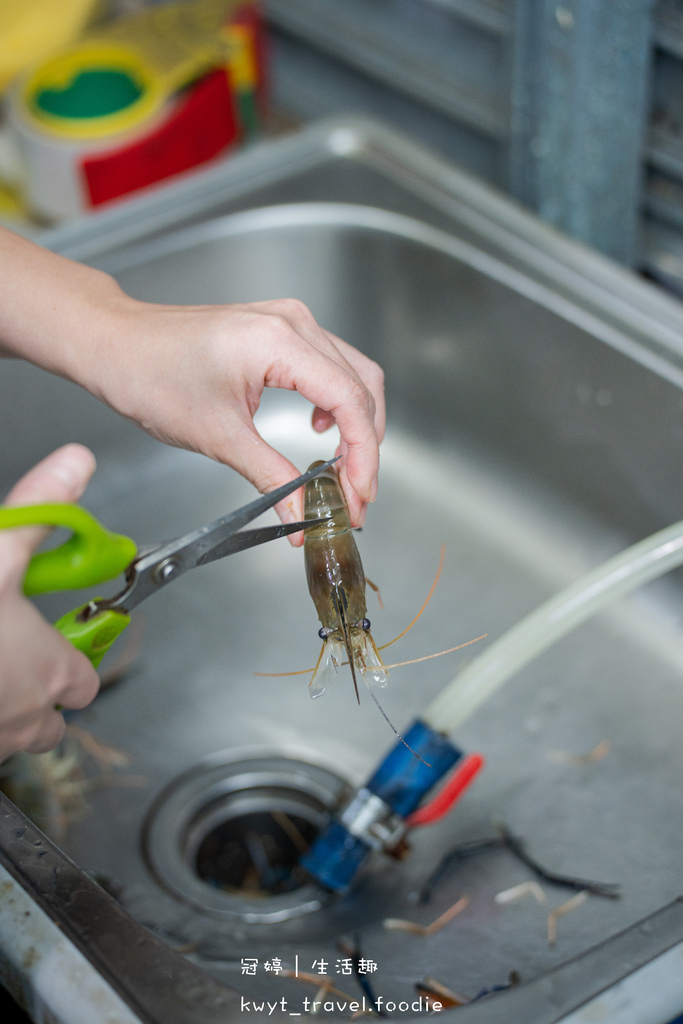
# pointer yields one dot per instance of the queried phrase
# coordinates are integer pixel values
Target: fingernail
(287, 515)
(70, 470)
(362, 515)
(373, 489)
(65, 473)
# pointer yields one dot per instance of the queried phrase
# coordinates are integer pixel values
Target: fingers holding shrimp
(193, 376)
(346, 388)
(282, 346)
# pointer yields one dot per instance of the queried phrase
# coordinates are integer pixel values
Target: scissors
(94, 554)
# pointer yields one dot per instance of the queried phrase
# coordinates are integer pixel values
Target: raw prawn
(337, 583)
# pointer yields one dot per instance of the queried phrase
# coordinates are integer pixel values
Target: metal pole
(579, 101)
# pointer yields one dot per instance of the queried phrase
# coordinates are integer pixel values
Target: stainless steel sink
(535, 428)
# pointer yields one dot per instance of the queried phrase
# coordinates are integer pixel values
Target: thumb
(60, 477)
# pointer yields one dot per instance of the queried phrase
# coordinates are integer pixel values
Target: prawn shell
(334, 570)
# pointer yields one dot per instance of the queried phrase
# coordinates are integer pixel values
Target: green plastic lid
(92, 93)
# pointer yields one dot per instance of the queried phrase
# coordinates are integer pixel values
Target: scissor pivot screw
(165, 571)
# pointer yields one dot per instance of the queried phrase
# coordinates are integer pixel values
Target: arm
(193, 376)
(190, 376)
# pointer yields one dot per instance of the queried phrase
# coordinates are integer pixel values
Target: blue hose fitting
(374, 817)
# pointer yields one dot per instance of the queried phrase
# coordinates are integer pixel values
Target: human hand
(39, 668)
(193, 376)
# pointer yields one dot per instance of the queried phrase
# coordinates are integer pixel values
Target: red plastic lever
(449, 794)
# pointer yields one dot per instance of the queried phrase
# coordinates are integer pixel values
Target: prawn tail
(340, 602)
(326, 668)
(373, 669)
(315, 688)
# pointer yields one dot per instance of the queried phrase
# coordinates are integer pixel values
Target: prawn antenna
(395, 730)
(426, 657)
(396, 664)
(381, 647)
(425, 603)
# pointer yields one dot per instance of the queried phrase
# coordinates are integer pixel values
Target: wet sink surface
(520, 439)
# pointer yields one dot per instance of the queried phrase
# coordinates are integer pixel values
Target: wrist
(92, 347)
(54, 312)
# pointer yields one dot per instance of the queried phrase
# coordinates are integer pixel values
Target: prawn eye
(363, 624)
(324, 632)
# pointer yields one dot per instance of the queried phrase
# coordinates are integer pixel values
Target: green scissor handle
(92, 555)
(93, 636)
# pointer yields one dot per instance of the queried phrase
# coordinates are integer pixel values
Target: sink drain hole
(227, 836)
(256, 853)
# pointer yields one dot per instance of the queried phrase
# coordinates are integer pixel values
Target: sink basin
(535, 426)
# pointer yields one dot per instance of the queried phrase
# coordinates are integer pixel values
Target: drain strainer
(226, 837)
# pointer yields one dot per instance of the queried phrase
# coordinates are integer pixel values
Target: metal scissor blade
(196, 547)
(167, 562)
(244, 515)
(251, 538)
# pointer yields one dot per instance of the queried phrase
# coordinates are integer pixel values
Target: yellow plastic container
(32, 29)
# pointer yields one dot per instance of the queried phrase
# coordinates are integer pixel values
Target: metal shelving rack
(440, 68)
(663, 175)
(443, 53)
(575, 107)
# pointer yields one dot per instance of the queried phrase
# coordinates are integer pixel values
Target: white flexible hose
(635, 566)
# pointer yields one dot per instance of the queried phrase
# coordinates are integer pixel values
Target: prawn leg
(374, 587)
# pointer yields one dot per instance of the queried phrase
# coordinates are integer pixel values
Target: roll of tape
(53, 180)
(149, 97)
